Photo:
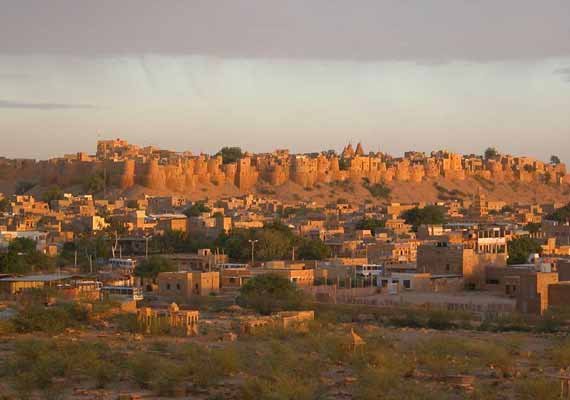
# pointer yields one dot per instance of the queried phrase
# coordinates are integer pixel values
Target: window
(447, 267)
(168, 286)
(407, 284)
(177, 286)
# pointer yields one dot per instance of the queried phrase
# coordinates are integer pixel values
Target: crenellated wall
(182, 172)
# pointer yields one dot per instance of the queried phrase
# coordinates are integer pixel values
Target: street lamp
(252, 242)
(146, 238)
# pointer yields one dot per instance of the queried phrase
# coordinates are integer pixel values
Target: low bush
(36, 318)
(537, 388)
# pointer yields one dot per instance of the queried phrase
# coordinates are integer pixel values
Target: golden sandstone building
(128, 165)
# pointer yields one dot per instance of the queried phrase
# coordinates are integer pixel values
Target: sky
(307, 75)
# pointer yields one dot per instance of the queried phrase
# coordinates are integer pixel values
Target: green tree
(22, 245)
(52, 193)
(154, 265)
(274, 241)
(4, 205)
(555, 160)
(371, 224)
(22, 187)
(343, 164)
(490, 153)
(196, 209)
(521, 248)
(22, 257)
(230, 154)
(532, 227)
(561, 215)
(94, 183)
(270, 293)
(310, 249)
(272, 244)
(429, 215)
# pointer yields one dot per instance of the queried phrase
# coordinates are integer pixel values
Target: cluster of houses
(467, 253)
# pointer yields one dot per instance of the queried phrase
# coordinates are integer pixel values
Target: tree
(94, 183)
(429, 215)
(491, 152)
(310, 249)
(22, 257)
(270, 293)
(196, 209)
(561, 215)
(274, 242)
(153, 266)
(230, 154)
(4, 204)
(22, 245)
(343, 164)
(532, 227)
(53, 193)
(371, 224)
(521, 248)
(22, 187)
(507, 209)
(555, 160)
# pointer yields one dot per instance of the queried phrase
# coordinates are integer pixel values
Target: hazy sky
(307, 75)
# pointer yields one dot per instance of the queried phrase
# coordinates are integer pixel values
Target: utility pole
(146, 247)
(252, 242)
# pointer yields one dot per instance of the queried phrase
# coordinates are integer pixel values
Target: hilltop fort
(122, 166)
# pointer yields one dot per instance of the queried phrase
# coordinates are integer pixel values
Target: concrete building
(185, 285)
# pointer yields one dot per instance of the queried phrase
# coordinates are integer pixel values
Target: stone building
(185, 285)
(172, 320)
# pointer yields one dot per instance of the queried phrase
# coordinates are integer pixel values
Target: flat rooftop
(37, 278)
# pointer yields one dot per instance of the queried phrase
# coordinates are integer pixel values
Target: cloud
(367, 30)
(565, 72)
(42, 106)
(13, 76)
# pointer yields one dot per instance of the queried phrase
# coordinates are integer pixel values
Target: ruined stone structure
(172, 320)
(126, 165)
(297, 320)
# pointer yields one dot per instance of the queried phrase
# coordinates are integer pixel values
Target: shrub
(269, 293)
(207, 367)
(35, 365)
(168, 379)
(560, 354)
(282, 386)
(537, 388)
(440, 320)
(35, 318)
(379, 190)
(143, 367)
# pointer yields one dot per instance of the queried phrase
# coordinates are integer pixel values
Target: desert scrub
(39, 364)
(537, 388)
(281, 386)
(447, 355)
